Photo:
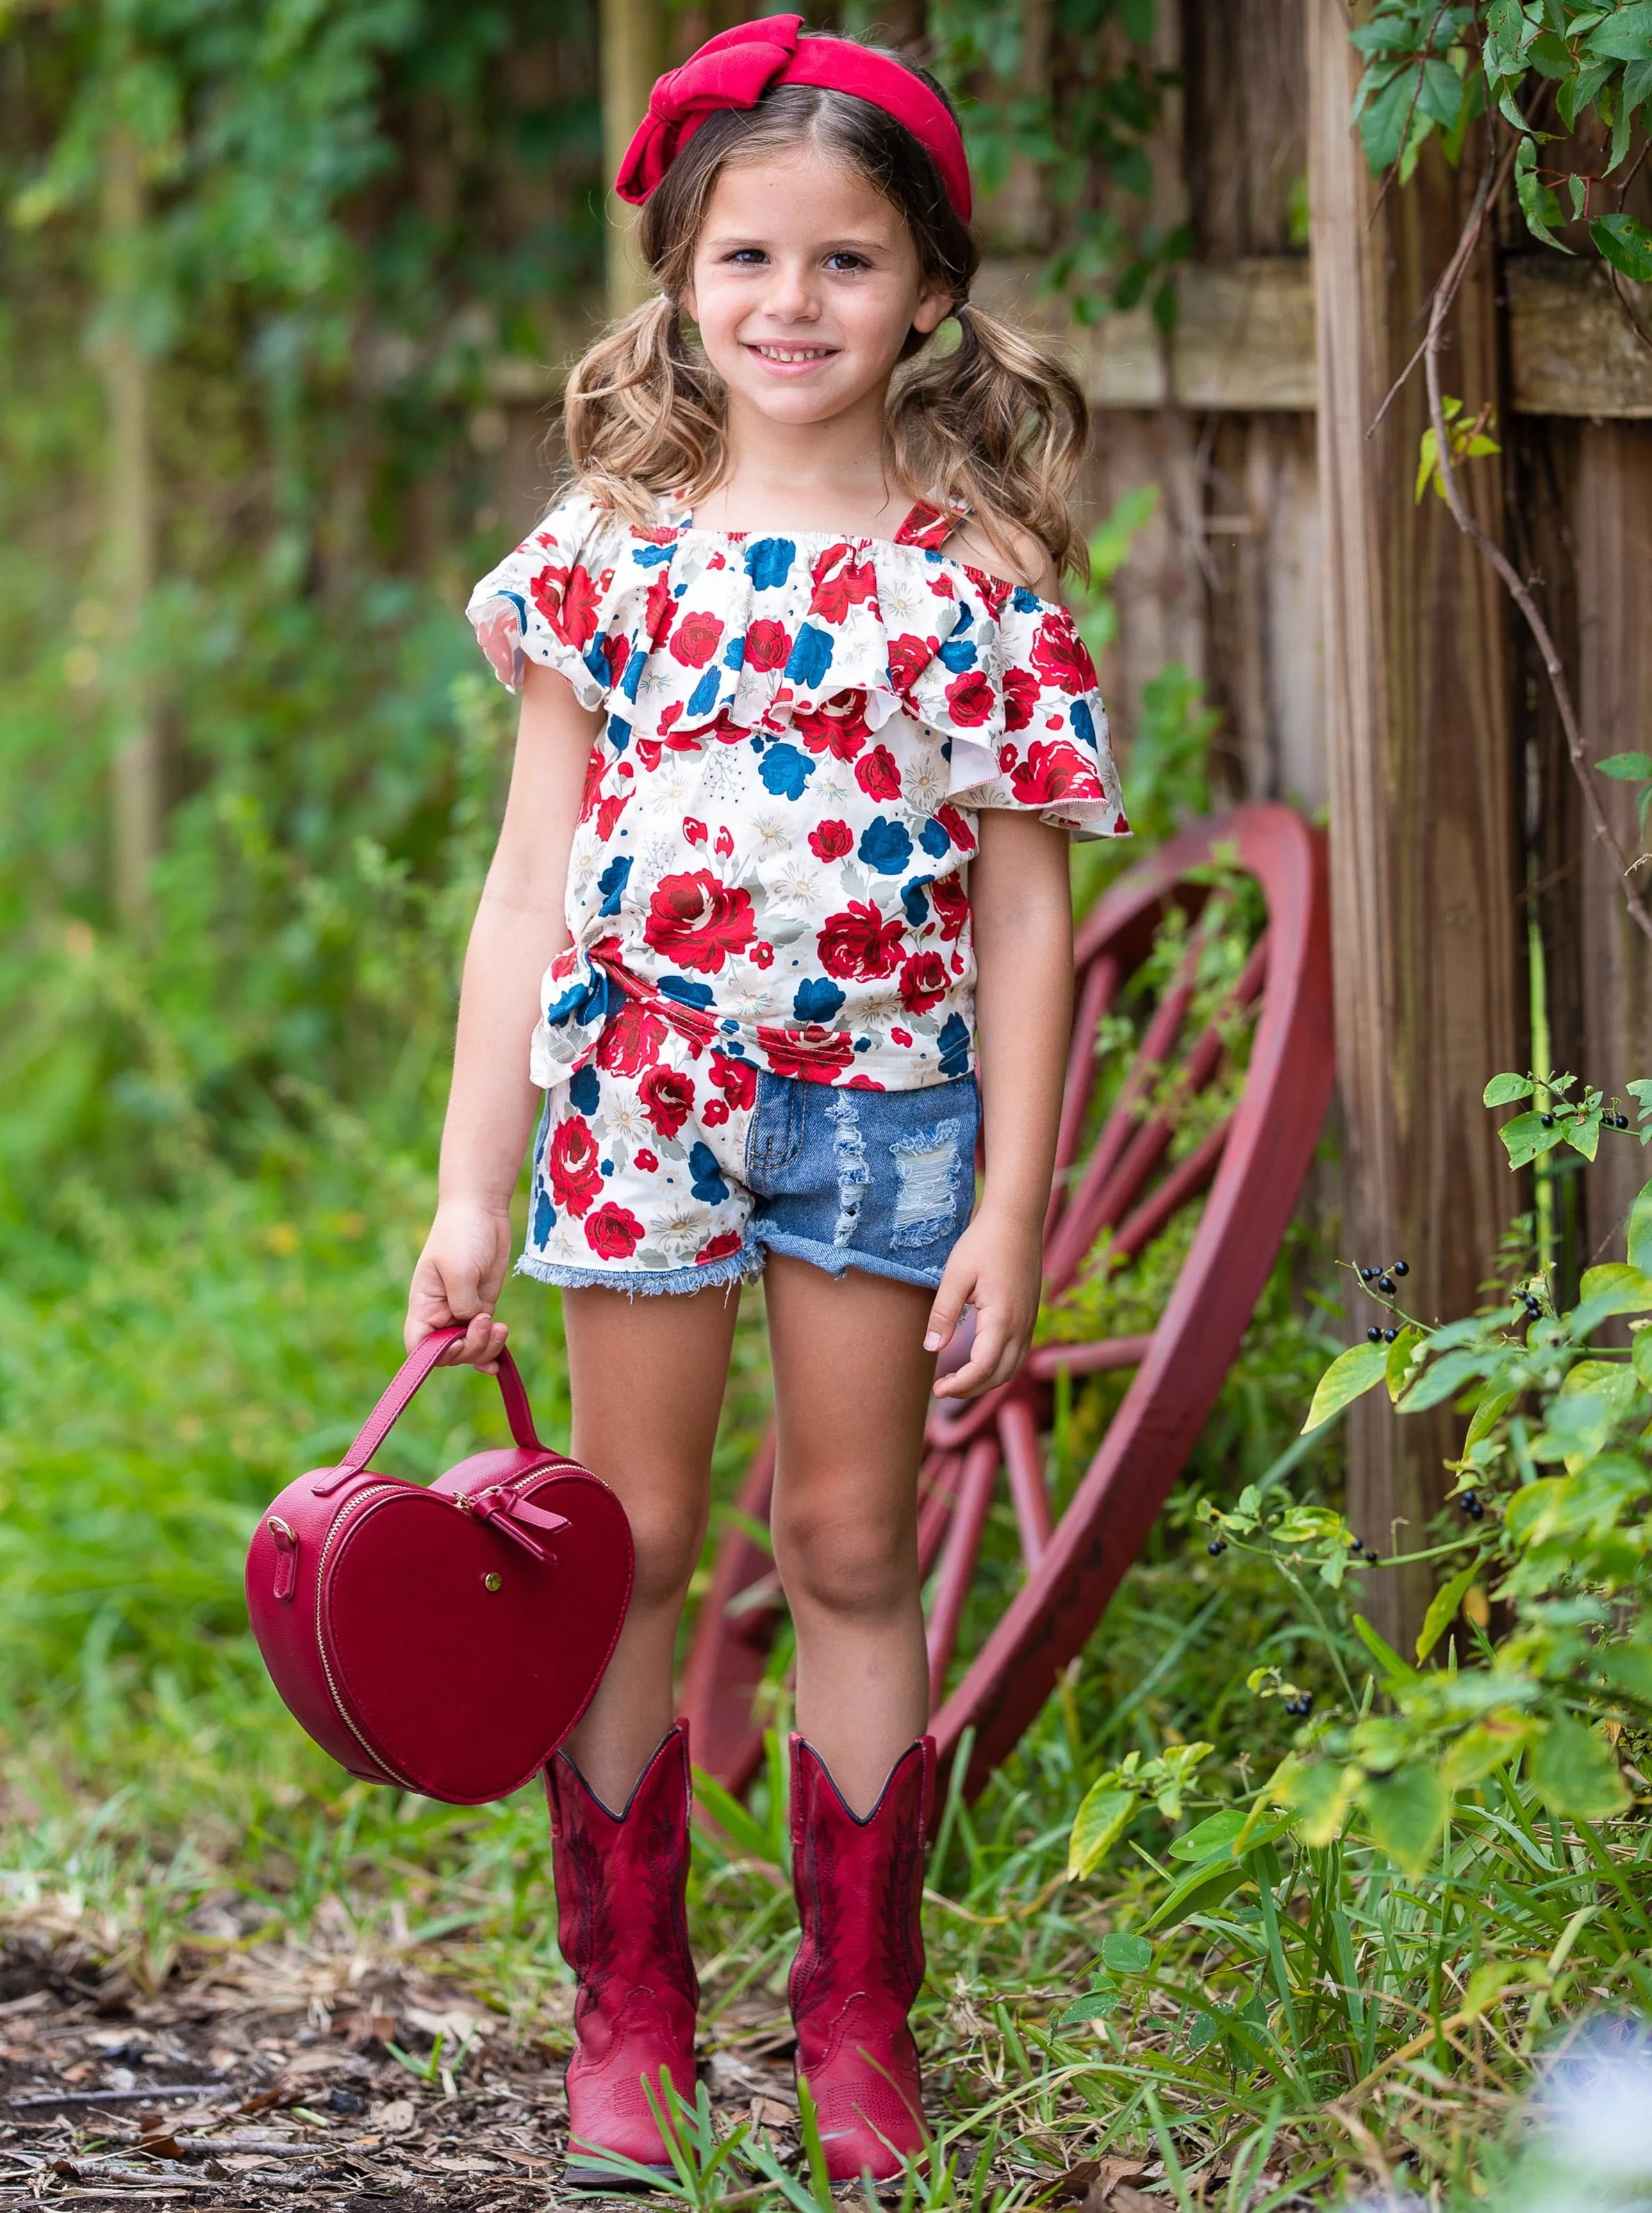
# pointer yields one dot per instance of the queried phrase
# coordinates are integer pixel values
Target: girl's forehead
(807, 191)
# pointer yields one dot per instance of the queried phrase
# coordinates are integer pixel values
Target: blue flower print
(934, 839)
(708, 1182)
(954, 1042)
(1083, 723)
(735, 653)
(810, 655)
(618, 734)
(585, 1093)
(958, 654)
(816, 1000)
(1025, 603)
(768, 562)
(704, 696)
(633, 675)
(650, 557)
(884, 846)
(583, 1001)
(545, 1217)
(686, 991)
(785, 771)
(612, 883)
(912, 899)
(596, 660)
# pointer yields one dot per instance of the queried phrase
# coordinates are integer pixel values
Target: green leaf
(1575, 1774)
(1439, 1381)
(1383, 1653)
(1397, 1365)
(1405, 1813)
(1625, 36)
(1508, 24)
(1640, 1229)
(1215, 1833)
(1200, 1891)
(1627, 245)
(1494, 1401)
(1540, 206)
(1503, 1090)
(1525, 1137)
(1442, 1609)
(1096, 2007)
(1127, 1954)
(1615, 1289)
(1628, 1668)
(1627, 768)
(1349, 1377)
(1582, 1133)
(1101, 1819)
(1321, 1793)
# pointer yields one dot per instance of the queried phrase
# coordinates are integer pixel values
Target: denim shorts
(687, 1170)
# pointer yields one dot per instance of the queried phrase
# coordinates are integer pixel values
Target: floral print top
(780, 806)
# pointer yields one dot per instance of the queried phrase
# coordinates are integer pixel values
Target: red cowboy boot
(859, 1887)
(621, 1885)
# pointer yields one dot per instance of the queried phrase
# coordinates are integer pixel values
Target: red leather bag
(443, 1638)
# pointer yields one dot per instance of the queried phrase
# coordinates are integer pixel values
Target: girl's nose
(791, 296)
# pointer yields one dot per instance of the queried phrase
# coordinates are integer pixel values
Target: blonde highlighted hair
(996, 425)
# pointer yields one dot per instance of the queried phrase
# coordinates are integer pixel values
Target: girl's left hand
(995, 1266)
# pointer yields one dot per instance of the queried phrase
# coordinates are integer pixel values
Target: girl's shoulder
(1006, 552)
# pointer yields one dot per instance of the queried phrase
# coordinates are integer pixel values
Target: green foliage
(1467, 441)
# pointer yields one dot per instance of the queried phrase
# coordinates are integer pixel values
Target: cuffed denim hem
(837, 1259)
(741, 1267)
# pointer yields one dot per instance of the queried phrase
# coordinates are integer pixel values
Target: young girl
(804, 730)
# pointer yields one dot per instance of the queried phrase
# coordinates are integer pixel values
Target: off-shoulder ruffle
(682, 633)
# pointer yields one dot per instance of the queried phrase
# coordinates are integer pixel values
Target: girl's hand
(996, 1267)
(458, 1279)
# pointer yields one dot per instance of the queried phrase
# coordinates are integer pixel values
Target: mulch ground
(265, 2079)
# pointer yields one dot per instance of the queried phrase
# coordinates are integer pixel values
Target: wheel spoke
(1049, 1361)
(937, 1502)
(1018, 1432)
(958, 1557)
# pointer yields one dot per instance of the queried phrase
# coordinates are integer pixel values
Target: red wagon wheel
(1134, 1181)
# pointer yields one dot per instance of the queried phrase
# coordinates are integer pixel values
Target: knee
(666, 1538)
(834, 1560)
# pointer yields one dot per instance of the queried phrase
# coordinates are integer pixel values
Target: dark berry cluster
(1473, 1505)
(1216, 1547)
(1301, 1706)
(1532, 1304)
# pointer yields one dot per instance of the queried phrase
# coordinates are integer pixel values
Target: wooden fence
(1365, 662)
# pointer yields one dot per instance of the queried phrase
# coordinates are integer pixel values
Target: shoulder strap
(929, 526)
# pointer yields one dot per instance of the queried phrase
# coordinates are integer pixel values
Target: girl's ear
(932, 311)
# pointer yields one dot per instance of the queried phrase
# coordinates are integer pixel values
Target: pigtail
(641, 417)
(997, 425)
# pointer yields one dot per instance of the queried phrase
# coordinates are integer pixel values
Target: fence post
(633, 39)
(1422, 773)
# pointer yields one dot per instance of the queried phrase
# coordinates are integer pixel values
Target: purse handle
(399, 1396)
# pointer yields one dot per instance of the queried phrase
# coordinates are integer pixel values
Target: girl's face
(805, 285)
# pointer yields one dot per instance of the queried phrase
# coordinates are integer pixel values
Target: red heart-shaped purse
(443, 1638)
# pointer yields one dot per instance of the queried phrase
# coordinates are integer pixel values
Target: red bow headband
(736, 68)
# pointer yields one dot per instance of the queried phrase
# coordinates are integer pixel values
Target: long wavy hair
(996, 424)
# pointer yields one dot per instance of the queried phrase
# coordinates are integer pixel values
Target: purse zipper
(376, 1491)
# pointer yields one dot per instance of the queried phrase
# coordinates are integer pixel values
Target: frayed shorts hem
(741, 1267)
(837, 1259)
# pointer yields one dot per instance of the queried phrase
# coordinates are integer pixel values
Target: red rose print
(725, 843)
(909, 658)
(617, 651)
(596, 767)
(662, 608)
(631, 1041)
(1053, 772)
(877, 774)
(649, 751)
(951, 904)
(667, 1098)
(860, 944)
(613, 1233)
(854, 583)
(697, 639)
(646, 1161)
(956, 828)
(811, 1055)
(762, 955)
(697, 922)
(831, 840)
(715, 1112)
(971, 698)
(837, 727)
(721, 1247)
(900, 1037)
(608, 813)
(995, 590)
(923, 982)
(576, 1179)
(694, 831)
(1059, 654)
(767, 645)
(735, 1079)
(1021, 698)
(567, 598)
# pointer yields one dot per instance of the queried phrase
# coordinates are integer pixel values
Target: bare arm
(492, 1105)
(1022, 912)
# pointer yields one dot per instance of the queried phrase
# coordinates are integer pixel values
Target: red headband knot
(736, 68)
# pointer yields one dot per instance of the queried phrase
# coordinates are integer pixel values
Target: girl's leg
(647, 1376)
(852, 1389)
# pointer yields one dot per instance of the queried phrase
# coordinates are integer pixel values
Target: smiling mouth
(790, 355)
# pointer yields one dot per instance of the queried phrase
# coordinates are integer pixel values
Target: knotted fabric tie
(736, 68)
